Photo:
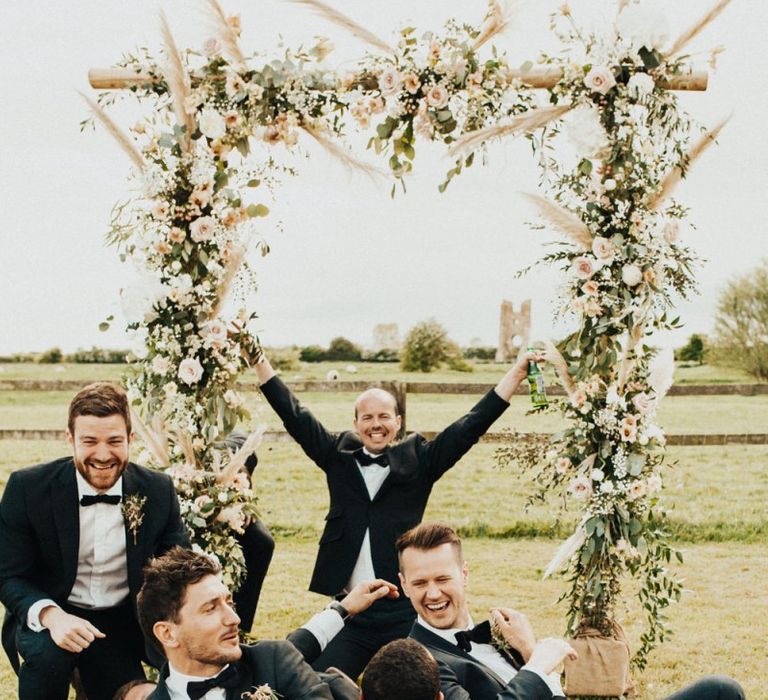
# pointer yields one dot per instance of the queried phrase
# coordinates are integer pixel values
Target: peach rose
(583, 267)
(437, 97)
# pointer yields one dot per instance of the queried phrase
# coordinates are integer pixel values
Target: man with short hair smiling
(378, 488)
(71, 560)
(472, 665)
(185, 608)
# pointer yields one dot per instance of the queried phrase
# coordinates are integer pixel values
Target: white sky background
(347, 257)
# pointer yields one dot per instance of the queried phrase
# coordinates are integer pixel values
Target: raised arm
(454, 442)
(317, 442)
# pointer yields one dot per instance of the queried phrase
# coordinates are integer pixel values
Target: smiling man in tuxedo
(472, 663)
(72, 557)
(186, 609)
(379, 487)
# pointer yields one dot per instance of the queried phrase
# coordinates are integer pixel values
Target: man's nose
(102, 453)
(232, 618)
(433, 591)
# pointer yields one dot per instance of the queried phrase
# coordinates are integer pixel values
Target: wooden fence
(401, 390)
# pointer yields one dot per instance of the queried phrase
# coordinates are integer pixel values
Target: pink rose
(583, 267)
(390, 81)
(599, 79)
(190, 370)
(211, 47)
(590, 288)
(563, 465)
(411, 83)
(437, 97)
(580, 488)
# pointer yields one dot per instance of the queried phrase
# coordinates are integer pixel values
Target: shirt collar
(178, 681)
(85, 489)
(449, 635)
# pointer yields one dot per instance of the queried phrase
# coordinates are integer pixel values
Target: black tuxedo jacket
(464, 678)
(276, 663)
(415, 465)
(40, 534)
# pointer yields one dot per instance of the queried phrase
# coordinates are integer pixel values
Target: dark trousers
(104, 666)
(710, 688)
(258, 546)
(363, 635)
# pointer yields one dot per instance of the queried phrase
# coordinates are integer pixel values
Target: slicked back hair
(428, 536)
(100, 399)
(402, 669)
(164, 591)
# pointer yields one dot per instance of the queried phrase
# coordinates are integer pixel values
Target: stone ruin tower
(514, 330)
(386, 337)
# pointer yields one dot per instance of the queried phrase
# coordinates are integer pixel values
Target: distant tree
(283, 359)
(383, 355)
(51, 357)
(693, 351)
(426, 347)
(741, 324)
(312, 353)
(480, 352)
(343, 349)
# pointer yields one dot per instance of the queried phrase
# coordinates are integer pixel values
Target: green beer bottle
(536, 384)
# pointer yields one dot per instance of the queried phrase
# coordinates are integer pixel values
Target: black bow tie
(227, 679)
(100, 498)
(366, 460)
(481, 634)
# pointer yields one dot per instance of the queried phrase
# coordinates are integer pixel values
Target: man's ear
(131, 435)
(402, 584)
(440, 695)
(70, 437)
(165, 633)
(465, 573)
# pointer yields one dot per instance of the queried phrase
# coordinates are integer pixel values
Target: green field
(716, 497)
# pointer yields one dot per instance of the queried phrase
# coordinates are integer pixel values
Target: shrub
(344, 350)
(51, 357)
(284, 359)
(312, 353)
(426, 347)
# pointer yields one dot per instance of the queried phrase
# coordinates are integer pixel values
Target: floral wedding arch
(623, 261)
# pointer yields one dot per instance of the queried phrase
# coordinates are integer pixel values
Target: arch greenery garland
(202, 167)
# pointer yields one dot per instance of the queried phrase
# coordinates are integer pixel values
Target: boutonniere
(262, 692)
(133, 512)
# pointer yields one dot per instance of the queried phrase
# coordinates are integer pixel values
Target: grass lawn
(716, 497)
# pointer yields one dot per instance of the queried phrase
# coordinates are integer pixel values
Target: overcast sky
(346, 256)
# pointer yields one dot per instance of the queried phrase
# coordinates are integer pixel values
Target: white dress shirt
(324, 626)
(373, 476)
(490, 657)
(102, 573)
(177, 685)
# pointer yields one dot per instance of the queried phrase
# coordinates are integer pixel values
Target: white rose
(597, 475)
(631, 275)
(211, 124)
(672, 231)
(654, 483)
(603, 248)
(232, 398)
(201, 229)
(390, 81)
(160, 364)
(640, 85)
(190, 370)
(642, 402)
(606, 487)
(215, 333)
(599, 79)
(211, 47)
(585, 131)
(437, 97)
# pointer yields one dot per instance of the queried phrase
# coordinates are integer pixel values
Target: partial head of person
(433, 574)
(99, 431)
(377, 419)
(402, 669)
(139, 689)
(185, 608)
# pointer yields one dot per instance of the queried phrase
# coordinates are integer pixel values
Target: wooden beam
(120, 78)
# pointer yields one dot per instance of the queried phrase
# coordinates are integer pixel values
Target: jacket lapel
(133, 551)
(67, 518)
(430, 639)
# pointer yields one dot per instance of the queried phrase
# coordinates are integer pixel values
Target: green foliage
(693, 351)
(426, 347)
(312, 353)
(284, 359)
(480, 352)
(341, 349)
(106, 356)
(383, 355)
(741, 324)
(51, 357)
